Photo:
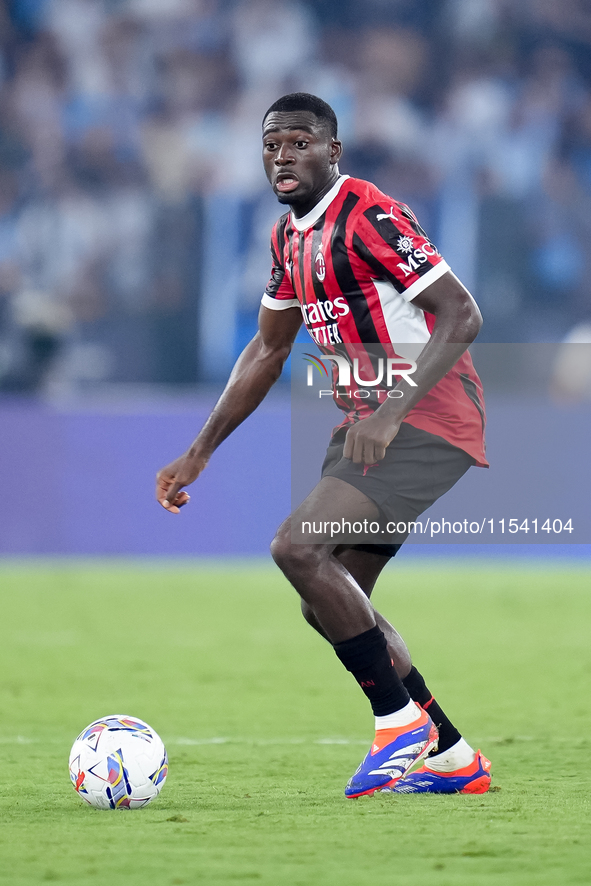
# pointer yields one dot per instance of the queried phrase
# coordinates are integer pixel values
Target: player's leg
(340, 606)
(417, 470)
(454, 765)
(404, 732)
(365, 568)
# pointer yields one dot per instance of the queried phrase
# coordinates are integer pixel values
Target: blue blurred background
(135, 219)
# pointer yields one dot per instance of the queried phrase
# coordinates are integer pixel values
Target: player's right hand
(171, 479)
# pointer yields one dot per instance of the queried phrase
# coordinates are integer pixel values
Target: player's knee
(280, 543)
(291, 558)
(280, 547)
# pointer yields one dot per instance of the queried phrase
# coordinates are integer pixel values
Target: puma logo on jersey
(383, 215)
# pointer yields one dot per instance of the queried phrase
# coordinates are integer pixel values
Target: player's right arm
(255, 372)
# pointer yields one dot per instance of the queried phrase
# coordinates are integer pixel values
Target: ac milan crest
(320, 266)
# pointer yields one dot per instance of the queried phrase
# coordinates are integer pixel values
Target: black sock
(367, 658)
(448, 734)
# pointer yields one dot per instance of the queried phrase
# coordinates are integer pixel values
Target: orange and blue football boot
(472, 779)
(392, 754)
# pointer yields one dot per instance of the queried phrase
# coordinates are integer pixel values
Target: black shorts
(418, 468)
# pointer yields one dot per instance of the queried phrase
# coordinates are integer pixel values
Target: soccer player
(357, 268)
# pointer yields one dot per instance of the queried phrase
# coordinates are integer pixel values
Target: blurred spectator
(38, 325)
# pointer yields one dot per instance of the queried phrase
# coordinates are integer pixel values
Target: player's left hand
(366, 442)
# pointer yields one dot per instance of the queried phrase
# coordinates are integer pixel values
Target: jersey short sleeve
(279, 293)
(391, 241)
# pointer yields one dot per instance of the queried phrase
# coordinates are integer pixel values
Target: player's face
(300, 158)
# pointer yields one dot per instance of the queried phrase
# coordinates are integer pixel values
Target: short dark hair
(303, 101)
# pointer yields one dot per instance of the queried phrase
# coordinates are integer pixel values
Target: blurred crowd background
(134, 212)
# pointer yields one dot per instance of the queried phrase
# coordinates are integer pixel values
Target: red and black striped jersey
(353, 265)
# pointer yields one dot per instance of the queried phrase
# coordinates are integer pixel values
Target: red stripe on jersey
(276, 247)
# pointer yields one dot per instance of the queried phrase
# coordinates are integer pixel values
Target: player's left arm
(457, 323)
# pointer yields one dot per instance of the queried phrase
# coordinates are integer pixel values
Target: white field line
(267, 741)
(21, 739)
(263, 742)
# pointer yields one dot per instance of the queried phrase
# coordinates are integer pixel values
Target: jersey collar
(306, 221)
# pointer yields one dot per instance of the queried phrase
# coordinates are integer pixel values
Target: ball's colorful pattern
(159, 776)
(118, 762)
(93, 732)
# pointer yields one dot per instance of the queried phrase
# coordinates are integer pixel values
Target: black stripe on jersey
(316, 245)
(409, 214)
(472, 392)
(346, 278)
(363, 252)
(281, 225)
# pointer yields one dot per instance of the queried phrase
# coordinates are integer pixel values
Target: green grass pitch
(264, 727)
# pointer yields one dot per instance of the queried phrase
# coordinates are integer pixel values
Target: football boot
(472, 779)
(392, 754)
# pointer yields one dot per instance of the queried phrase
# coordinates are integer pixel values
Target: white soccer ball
(118, 762)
